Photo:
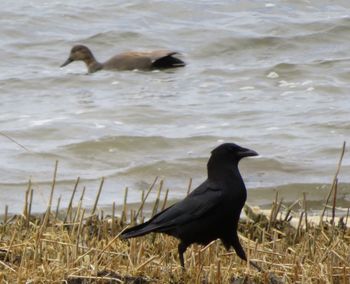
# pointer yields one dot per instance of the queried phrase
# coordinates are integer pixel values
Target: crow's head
(233, 151)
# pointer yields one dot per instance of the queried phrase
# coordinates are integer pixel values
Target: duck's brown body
(158, 59)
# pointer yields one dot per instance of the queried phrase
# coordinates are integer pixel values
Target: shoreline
(81, 245)
(262, 196)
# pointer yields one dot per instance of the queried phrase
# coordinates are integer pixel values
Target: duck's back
(143, 60)
(129, 61)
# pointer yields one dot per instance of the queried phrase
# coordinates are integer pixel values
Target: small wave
(316, 193)
(101, 37)
(233, 45)
(136, 143)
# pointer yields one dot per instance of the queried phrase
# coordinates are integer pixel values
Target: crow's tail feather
(148, 227)
(137, 231)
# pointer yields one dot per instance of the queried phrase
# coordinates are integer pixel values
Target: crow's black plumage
(211, 211)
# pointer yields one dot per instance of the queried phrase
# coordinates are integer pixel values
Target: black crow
(209, 212)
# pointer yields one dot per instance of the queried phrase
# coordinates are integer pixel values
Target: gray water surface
(269, 75)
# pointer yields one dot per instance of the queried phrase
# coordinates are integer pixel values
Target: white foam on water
(247, 88)
(40, 122)
(272, 75)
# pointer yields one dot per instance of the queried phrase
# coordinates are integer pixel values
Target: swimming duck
(158, 59)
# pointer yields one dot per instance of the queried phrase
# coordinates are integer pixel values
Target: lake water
(272, 76)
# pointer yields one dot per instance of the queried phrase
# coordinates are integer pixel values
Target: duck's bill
(67, 62)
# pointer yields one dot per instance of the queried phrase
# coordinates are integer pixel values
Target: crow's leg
(181, 249)
(240, 252)
(238, 248)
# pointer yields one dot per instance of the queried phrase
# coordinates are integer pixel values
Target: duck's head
(79, 52)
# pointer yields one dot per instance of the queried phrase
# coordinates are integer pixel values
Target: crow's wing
(200, 202)
(205, 199)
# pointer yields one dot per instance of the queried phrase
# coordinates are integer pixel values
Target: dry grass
(82, 246)
(86, 249)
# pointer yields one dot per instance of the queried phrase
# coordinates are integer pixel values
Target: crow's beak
(247, 153)
(69, 60)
